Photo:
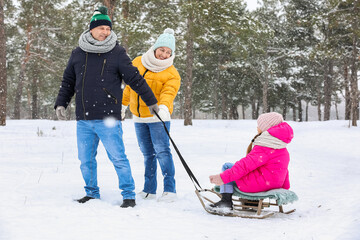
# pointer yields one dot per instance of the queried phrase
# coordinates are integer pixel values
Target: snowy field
(40, 177)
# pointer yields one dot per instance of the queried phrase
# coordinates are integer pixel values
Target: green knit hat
(100, 18)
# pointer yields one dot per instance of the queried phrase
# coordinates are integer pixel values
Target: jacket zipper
(112, 96)
(83, 83)
(138, 106)
(102, 70)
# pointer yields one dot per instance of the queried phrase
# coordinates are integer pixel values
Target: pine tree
(3, 79)
(191, 11)
(267, 47)
(339, 25)
(299, 42)
(37, 57)
(219, 59)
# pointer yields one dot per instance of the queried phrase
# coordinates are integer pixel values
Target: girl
(265, 166)
(156, 66)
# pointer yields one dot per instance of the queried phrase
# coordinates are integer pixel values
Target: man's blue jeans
(89, 132)
(229, 187)
(154, 144)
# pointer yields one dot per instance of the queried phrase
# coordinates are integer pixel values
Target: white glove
(123, 110)
(164, 113)
(60, 113)
(153, 108)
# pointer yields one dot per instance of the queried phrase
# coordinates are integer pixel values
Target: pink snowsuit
(263, 168)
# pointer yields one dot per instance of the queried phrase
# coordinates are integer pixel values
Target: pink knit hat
(268, 120)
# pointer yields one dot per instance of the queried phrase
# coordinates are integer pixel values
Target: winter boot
(225, 202)
(84, 199)
(128, 203)
(167, 197)
(146, 196)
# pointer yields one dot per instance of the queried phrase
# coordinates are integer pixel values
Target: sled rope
(188, 170)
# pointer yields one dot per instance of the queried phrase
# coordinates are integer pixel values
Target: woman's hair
(250, 145)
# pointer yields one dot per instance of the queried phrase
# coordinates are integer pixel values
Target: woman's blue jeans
(89, 132)
(229, 187)
(155, 146)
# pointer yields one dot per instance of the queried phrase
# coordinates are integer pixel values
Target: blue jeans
(228, 187)
(89, 132)
(154, 144)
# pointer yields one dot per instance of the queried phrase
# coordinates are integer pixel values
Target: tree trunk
(224, 108)
(110, 4)
(257, 109)
(233, 113)
(307, 111)
(300, 114)
(216, 100)
(28, 101)
(328, 88)
(243, 111)
(20, 86)
(294, 113)
(181, 102)
(19, 91)
(125, 15)
(189, 72)
(34, 97)
(265, 90)
(319, 111)
(223, 90)
(336, 111)
(3, 85)
(319, 100)
(253, 108)
(285, 109)
(354, 80)
(216, 90)
(347, 92)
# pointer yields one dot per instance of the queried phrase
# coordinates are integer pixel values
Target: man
(94, 72)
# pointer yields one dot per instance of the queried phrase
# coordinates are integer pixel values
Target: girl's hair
(250, 145)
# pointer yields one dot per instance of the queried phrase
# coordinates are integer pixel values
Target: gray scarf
(266, 140)
(89, 44)
(156, 65)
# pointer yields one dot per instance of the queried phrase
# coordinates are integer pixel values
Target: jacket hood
(282, 131)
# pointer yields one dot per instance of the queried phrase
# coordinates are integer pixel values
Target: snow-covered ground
(40, 177)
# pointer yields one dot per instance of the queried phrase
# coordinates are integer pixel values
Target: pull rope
(188, 170)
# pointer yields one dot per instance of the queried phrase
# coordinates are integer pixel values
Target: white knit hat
(268, 120)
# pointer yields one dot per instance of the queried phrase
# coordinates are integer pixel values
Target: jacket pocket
(110, 95)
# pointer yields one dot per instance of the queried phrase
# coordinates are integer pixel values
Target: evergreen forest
(284, 56)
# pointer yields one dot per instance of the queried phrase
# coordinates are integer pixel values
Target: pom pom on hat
(167, 39)
(100, 17)
(268, 120)
(169, 31)
(101, 10)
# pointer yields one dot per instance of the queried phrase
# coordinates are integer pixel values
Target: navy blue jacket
(96, 79)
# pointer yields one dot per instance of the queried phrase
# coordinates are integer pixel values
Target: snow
(251, 5)
(40, 177)
(110, 121)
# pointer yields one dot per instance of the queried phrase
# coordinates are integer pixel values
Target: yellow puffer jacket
(164, 84)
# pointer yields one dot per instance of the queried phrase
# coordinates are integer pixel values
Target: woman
(156, 66)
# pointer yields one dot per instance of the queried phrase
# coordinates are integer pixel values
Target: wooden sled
(248, 205)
